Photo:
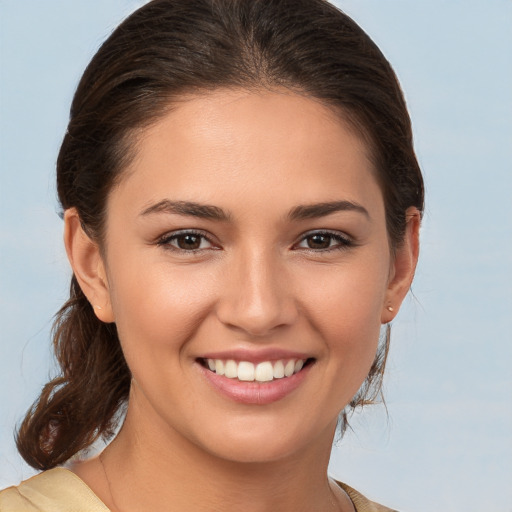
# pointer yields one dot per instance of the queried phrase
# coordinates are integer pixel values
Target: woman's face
(248, 232)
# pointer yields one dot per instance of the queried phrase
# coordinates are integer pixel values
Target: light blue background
(447, 443)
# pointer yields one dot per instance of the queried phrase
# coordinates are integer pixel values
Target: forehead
(260, 142)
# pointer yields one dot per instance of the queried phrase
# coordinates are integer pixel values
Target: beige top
(60, 490)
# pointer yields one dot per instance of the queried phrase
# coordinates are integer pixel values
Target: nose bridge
(257, 298)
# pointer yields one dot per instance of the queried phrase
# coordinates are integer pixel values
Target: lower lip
(256, 393)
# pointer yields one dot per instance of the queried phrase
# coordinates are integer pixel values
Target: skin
(256, 280)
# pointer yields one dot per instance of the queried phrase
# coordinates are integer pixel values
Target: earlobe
(88, 267)
(403, 268)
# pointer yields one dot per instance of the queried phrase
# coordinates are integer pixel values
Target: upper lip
(256, 356)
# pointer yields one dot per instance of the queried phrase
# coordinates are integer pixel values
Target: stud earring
(390, 309)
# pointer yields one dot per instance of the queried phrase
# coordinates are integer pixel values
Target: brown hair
(170, 48)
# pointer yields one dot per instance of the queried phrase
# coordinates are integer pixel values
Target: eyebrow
(313, 211)
(205, 211)
(189, 208)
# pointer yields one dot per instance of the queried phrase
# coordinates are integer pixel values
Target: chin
(259, 445)
(254, 453)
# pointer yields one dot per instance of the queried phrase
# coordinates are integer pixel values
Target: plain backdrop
(446, 441)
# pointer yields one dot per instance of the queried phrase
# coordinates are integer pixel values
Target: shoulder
(55, 490)
(362, 504)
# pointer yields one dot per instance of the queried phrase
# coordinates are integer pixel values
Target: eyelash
(166, 241)
(342, 242)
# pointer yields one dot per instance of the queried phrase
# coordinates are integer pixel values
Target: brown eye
(188, 242)
(319, 241)
(324, 241)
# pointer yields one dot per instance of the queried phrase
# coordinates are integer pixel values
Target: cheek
(346, 299)
(345, 307)
(158, 305)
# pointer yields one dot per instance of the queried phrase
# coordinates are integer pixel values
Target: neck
(150, 469)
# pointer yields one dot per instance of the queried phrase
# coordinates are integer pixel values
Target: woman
(242, 206)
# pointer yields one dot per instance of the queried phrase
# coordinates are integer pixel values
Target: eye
(188, 241)
(324, 241)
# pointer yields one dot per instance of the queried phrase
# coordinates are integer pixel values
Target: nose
(257, 298)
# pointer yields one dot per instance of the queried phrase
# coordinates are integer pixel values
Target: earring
(390, 309)
(98, 307)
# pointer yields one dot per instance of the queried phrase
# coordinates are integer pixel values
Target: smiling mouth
(245, 371)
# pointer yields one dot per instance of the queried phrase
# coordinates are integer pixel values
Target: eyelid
(345, 240)
(165, 240)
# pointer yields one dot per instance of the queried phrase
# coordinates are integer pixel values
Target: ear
(403, 267)
(88, 266)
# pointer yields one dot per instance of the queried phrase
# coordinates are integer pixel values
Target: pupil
(319, 241)
(189, 242)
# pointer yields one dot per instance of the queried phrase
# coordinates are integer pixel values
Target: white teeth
(262, 372)
(245, 371)
(279, 370)
(219, 367)
(289, 368)
(230, 369)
